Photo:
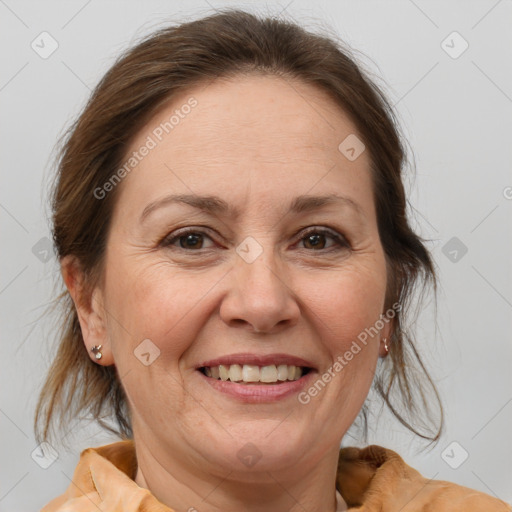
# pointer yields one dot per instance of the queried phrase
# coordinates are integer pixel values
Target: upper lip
(257, 359)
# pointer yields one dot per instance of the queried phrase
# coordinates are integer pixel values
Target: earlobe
(90, 311)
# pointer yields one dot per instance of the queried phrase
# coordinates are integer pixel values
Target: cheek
(161, 303)
(348, 302)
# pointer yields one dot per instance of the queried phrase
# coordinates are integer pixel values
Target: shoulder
(103, 473)
(378, 479)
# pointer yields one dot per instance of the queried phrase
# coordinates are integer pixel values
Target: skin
(260, 136)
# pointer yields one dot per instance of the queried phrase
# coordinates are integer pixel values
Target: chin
(254, 448)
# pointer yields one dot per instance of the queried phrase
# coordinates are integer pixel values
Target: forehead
(270, 135)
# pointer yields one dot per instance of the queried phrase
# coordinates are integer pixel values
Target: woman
(229, 218)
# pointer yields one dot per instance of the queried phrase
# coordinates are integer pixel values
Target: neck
(183, 487)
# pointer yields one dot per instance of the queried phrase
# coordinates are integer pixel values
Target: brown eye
(191, 241)
(188, 239)
(315, 239)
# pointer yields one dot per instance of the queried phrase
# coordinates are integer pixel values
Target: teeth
(282, 372)
(268, 373)
(223, 372)
(254, 373)
(250, 373)
(235, 373)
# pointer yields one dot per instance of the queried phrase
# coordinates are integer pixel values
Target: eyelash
(340, 240)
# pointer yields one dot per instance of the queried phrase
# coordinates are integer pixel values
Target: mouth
(253, 378)
(255, 374)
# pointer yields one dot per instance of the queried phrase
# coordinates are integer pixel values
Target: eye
(315, 239)
(187, 238)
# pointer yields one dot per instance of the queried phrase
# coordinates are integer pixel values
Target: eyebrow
(217, 206)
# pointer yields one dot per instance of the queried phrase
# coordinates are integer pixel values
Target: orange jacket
(373, 479)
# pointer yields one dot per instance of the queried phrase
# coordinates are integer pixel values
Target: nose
(259, 298)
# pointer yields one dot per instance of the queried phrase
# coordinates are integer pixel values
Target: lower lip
(259, 393)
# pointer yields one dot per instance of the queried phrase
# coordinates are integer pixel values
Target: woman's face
(267, 286)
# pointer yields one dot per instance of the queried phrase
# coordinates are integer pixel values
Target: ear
(90, 309)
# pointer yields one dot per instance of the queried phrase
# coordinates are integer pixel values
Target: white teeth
(253, 373)
(268, 373)
(235, 373)
(250, 373)
(282, 372)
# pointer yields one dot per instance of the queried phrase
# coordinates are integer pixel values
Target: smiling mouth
(254, 374)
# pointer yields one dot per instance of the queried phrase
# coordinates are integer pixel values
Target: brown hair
(169, 61)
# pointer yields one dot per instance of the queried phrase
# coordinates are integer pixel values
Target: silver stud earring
(96, 350)
(386, 348)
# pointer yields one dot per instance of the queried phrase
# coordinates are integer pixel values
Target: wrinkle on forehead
(252, 136)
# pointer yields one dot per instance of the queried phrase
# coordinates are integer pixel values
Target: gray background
(457, 115)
